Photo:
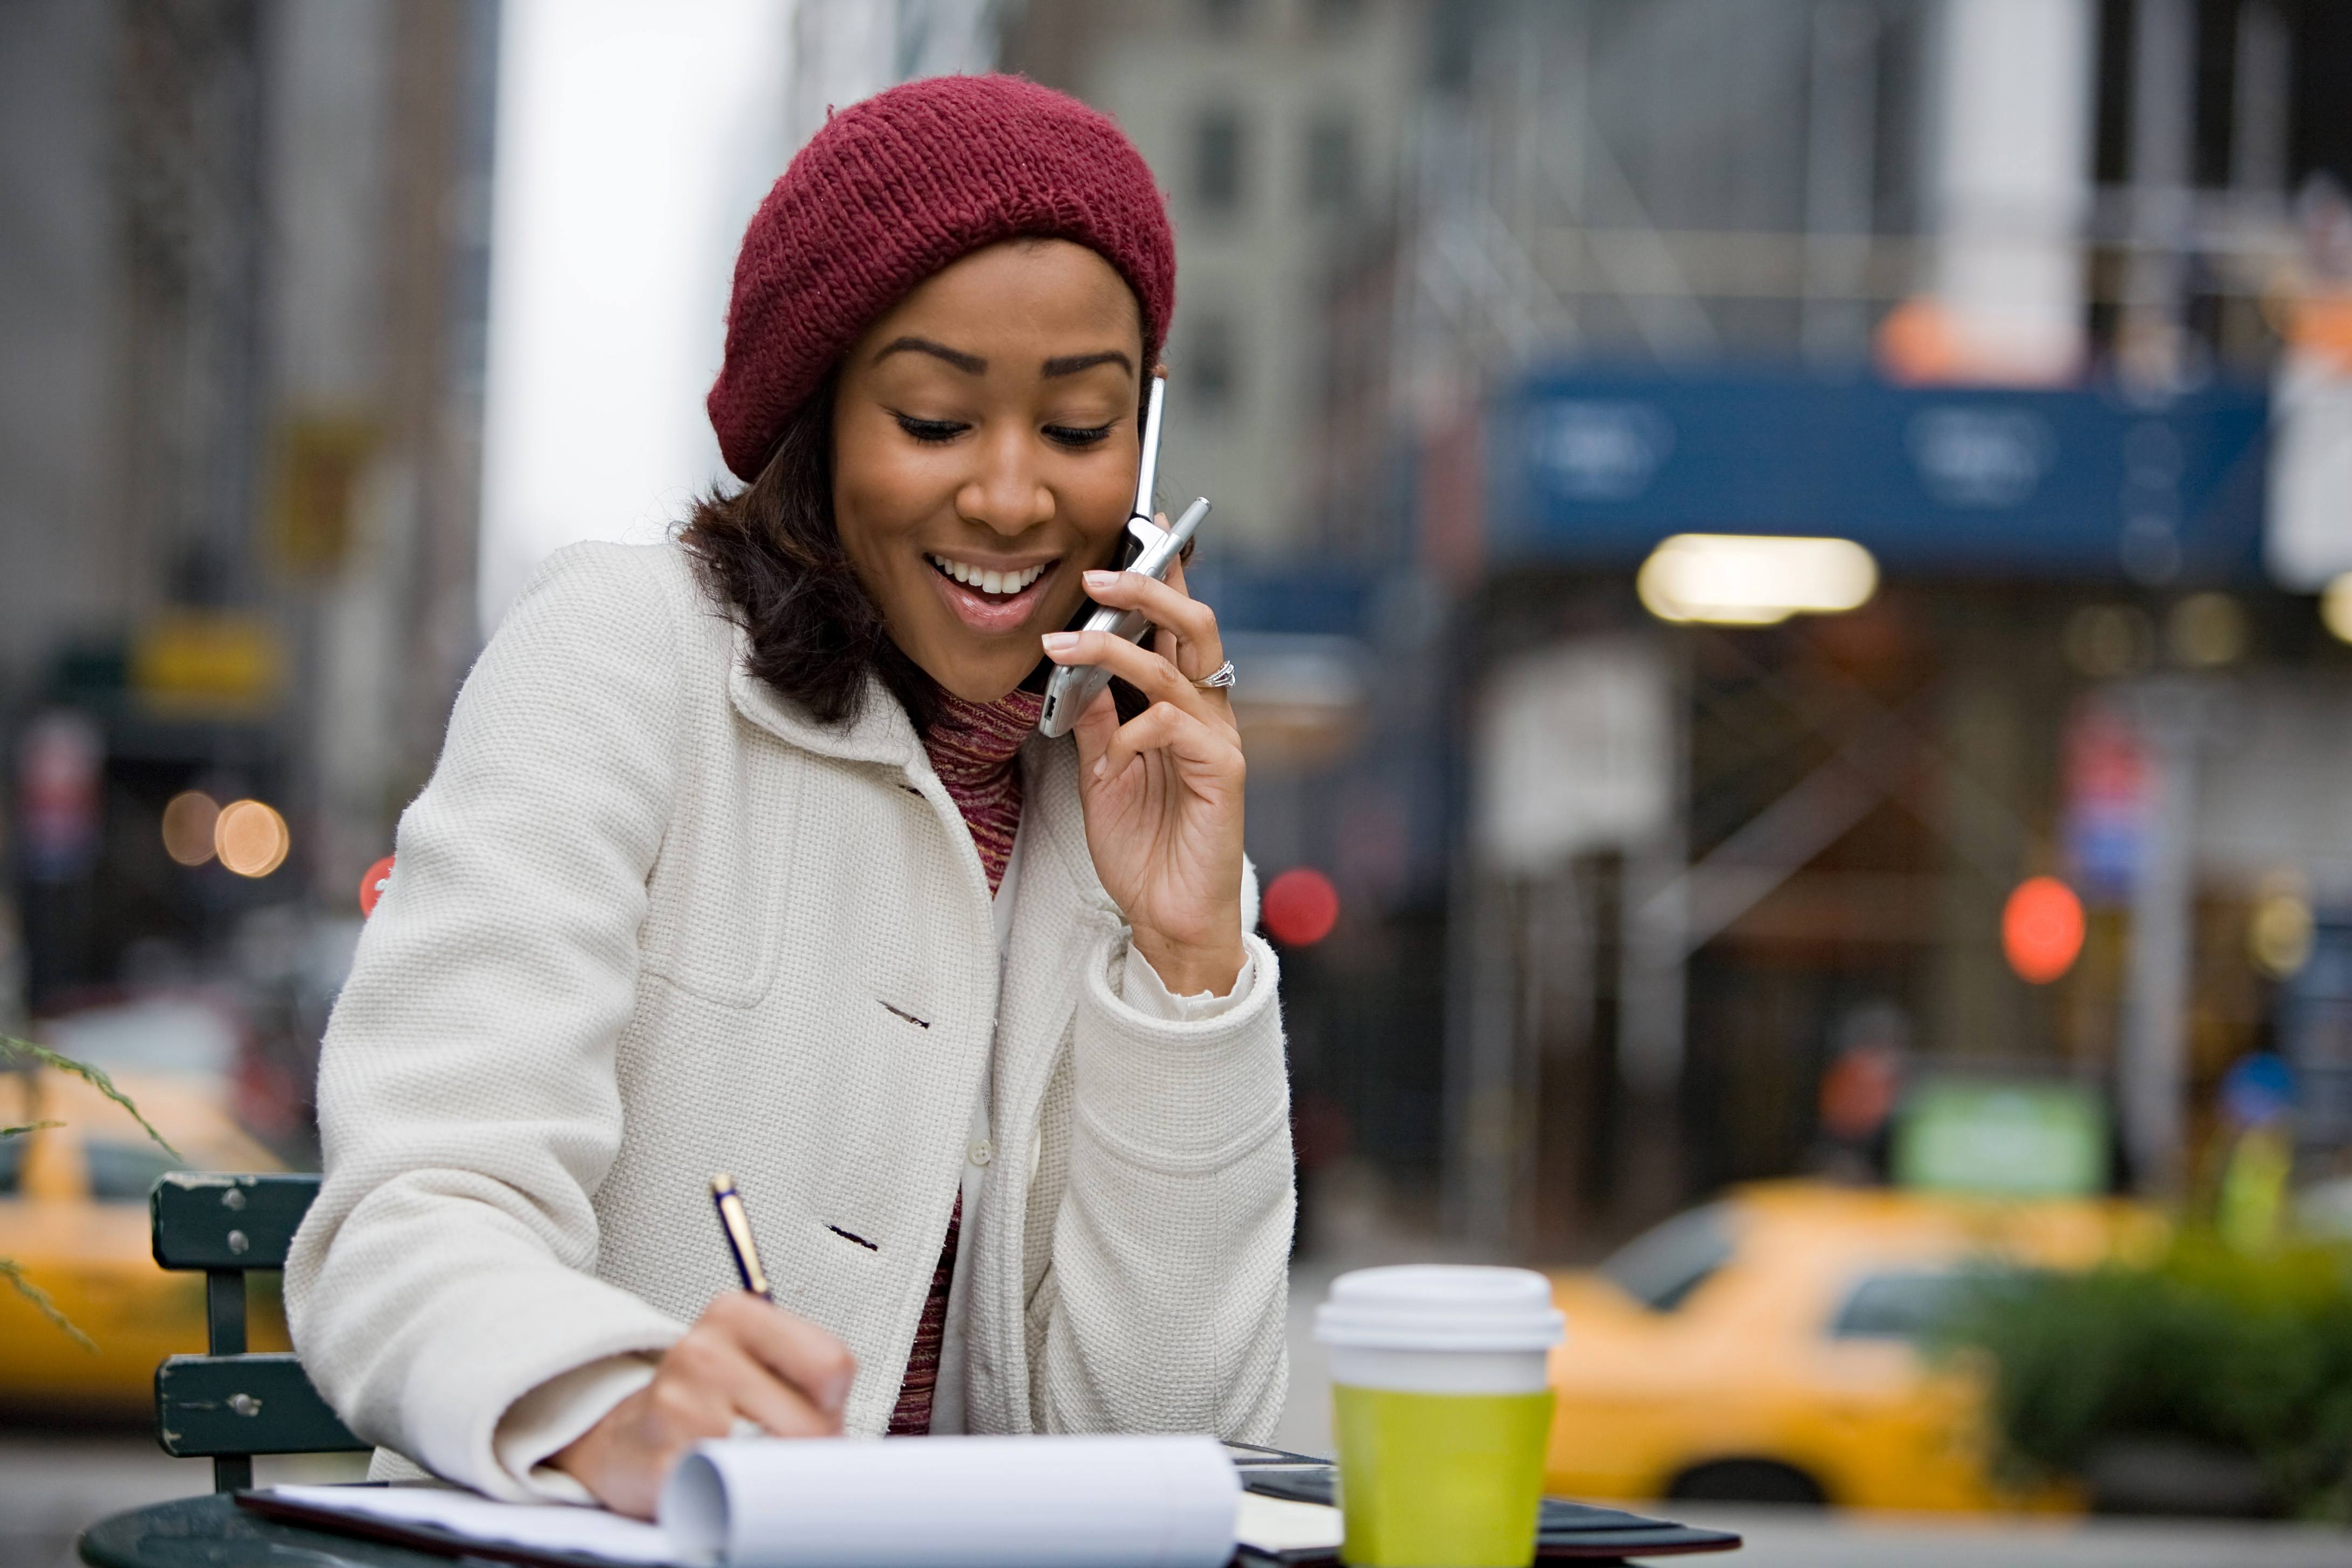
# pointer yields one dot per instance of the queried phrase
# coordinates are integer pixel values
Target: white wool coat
(649, 921)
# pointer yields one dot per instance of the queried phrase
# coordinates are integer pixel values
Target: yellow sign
(320, 458)
(207, 664)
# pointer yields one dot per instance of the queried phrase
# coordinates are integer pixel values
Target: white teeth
(987, 582)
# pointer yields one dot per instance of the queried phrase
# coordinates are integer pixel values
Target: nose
(1004, 494)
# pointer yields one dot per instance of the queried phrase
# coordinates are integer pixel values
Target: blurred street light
(1744, 580)
(2041, 929)
(371, 886)
(2335, 607)
(2206, 630)
(2104, 641)
(189, 821)
(2279, 937)
(1301, 906)
(251, 838)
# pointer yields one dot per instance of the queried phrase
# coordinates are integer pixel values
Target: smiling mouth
(992, 583)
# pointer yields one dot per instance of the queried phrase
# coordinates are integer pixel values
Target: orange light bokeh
(188, 822)
(2041, 929)
(251, 838)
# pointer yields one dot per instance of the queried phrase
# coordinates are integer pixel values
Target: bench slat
(201, 1220)
(261, 1403)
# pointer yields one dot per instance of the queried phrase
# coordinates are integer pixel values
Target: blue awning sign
(1600, 450)
(1593, 468)
(1979, 458)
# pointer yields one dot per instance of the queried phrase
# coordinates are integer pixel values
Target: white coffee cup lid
(1441, 1307)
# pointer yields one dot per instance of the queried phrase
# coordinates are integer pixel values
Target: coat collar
(881, 732)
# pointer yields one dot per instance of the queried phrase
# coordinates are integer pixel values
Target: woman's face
(984, 454)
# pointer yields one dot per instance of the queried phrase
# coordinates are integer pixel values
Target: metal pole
(2163, 101)
(1654, 907)
(2153, 1069)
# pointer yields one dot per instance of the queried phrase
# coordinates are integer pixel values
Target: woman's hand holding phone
(743, 1360)
(1162, 793)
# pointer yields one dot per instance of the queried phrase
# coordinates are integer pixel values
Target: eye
(1068, 436)
(931, 432)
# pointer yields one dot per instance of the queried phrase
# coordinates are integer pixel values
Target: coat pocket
(714, 914)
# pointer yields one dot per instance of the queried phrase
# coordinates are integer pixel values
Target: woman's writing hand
(1162, 793)
(742, 1359)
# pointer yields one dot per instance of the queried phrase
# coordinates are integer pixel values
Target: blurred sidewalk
(1809, 1538)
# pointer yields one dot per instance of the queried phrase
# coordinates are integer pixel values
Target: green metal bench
(228, 1405)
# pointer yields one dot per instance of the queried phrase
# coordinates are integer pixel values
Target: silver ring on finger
(1218, 680)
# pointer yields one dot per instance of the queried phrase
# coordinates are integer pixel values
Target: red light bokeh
(1301, 906)
(371, 886)
(2041, 929)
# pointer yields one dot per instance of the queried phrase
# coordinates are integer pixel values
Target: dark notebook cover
(1564, 1531)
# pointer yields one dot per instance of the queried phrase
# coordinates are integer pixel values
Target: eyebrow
(1070, 364)
(970, 365)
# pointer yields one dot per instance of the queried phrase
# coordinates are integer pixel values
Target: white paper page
(550, 1527)
(956, 1502)
(1285, 1524)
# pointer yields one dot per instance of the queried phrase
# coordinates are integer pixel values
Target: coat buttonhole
(847, 1237)
(901, 1012)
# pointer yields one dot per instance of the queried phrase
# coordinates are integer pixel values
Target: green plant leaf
(11, 1271)
(2206, 1343)
(92, 1075)
(27, 1127)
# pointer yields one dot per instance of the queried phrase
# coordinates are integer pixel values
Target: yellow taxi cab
(1767, 1348)
(73, 1217)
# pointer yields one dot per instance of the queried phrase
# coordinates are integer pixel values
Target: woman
(741, 856)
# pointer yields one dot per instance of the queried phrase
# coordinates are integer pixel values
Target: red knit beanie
(893, 189)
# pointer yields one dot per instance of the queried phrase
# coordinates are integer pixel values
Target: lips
(989, 599)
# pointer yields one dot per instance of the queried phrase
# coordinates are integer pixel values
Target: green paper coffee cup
(1441, 1409)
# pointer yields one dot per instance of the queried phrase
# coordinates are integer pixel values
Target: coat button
(982, 1152)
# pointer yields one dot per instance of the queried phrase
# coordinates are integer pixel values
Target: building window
(1330, 163)
(1217, 153)
(1212, 370)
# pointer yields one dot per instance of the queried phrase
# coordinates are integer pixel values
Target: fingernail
(1101, 579)
(1100, 763)
(1061, 642)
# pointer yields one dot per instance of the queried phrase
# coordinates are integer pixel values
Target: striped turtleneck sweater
(971, 746)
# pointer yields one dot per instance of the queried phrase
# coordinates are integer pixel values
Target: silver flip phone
(1074, 686)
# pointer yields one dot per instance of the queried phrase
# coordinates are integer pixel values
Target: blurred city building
(2038, 301)
(1781, 551)
(1277, 131)
(243, 322)
(635, 143)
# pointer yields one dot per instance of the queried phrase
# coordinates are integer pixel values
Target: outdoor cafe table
(212, 1532)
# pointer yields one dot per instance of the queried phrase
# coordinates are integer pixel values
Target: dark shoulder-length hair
(770, 554)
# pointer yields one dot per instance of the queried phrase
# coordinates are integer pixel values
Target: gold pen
(736, 1226)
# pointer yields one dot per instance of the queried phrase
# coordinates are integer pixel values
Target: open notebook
(956, 1502)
